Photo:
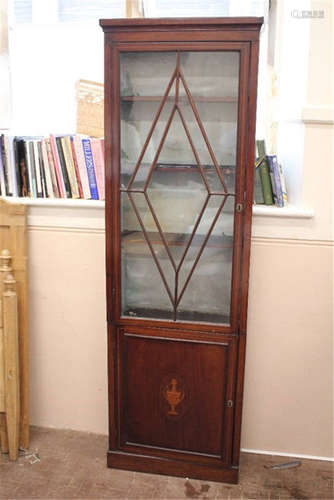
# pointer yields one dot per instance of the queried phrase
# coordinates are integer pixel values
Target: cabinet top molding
(230, 23)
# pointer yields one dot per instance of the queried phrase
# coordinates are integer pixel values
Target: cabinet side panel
(108, 186)
(253, 72)
(112, 387)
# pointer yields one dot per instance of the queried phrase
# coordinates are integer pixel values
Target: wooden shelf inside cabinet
(135, 238)
(179, 181)
(183, 99)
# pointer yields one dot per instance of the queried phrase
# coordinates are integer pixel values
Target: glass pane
(144, 79)
(205, 286)
(141, 296)
(178, 161)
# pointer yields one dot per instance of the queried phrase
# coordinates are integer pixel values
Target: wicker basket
(90, 105)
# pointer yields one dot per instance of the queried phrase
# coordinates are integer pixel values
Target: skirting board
(292, 455)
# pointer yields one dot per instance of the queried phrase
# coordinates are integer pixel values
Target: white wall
(288, 384)
(4, 67)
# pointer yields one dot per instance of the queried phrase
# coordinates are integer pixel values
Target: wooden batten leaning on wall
(13, 249)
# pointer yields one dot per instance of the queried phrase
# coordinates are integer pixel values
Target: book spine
(67, 150)
(99, 165)
(2, 172)
(12, 169)
(42, 168)
(90, 169)
(17, 167)
(5, 159)
(38, 171)
(57, 167)
(52, 168)
(29, 168)
(276, 181)
(32, 169)
(47, 173)
(266, 183)
(79, 154)
(76, 168)
(258, 194)
(63, 168)
(283, 185)
(264, 173)
(23, 167)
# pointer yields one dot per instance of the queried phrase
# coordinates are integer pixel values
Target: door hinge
(239, 207)
(229, 403)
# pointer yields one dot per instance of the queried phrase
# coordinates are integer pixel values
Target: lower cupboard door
(175, 393)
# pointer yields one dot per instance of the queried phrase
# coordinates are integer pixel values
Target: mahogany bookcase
(180, 103)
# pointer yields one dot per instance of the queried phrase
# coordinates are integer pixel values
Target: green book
(258, 193)
(263, 167)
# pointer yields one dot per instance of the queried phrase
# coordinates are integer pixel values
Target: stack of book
(269, 186)
(58, 166)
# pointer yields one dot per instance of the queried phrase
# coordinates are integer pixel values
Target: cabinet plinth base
(158, 465)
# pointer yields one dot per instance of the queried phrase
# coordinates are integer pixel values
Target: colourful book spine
(11, 164)
(283, 185)
(264, 173)
(52, 168)
(276, 180)
(63, 167)
(97, 151)
(42, 169)
(67, 150)
(80, 157)
(32, 169)
(38, 170)
(28, 161)
(17, 166)
(90, 169)
(76, 168)
(23, 167)
(6, 163)
(47, 171)
(2, 173)
(56, 161)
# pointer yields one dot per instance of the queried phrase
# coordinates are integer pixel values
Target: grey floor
(69, 464)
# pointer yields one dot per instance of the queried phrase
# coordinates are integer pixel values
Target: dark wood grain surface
(175, 387)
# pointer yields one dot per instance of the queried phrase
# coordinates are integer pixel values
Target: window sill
(258, 210)
(290, 211)
(83, 215)
(56, 202)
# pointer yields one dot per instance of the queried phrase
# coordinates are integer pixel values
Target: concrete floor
(69, 464)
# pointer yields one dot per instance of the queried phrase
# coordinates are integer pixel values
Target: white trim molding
(289, 211)
(56, 202)
(321, 115)
(291, 455)
(69, 214)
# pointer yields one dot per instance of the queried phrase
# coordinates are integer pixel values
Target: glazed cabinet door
(179, 178)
